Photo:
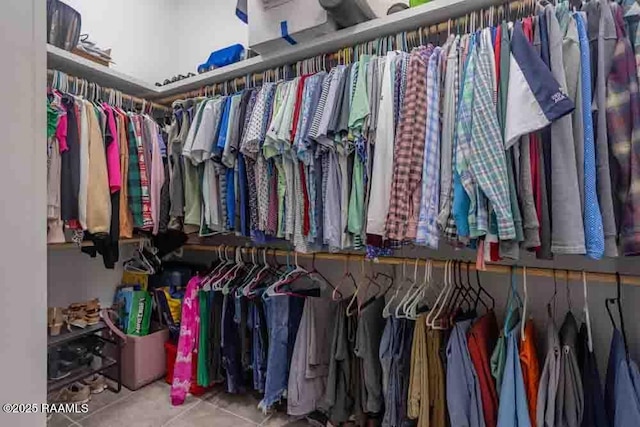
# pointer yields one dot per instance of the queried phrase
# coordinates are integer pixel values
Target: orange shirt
(530, 368)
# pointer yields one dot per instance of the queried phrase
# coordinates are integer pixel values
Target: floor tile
(100, 400)
(243, 405)
(59, 420)
(283, 420)
(147, 407)
(205, 414)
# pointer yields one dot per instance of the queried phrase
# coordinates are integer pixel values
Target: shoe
(55, 369)
(317, 419)
(92, 312)
(75, 355)
(75, 393)
(96, 383)
(55, 320)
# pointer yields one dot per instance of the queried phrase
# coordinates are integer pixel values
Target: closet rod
(126, 97)
(561, 274)
(476, 18)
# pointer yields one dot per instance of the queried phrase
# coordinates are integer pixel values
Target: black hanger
(617, 300)
(482, 289)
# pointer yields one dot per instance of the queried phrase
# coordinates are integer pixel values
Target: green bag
(139, 314)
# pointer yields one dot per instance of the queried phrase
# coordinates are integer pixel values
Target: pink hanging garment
(189, 330)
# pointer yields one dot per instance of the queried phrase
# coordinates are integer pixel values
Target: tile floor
(150, 407)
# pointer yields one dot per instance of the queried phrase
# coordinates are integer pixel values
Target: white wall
(23, 337)
(136, 32)
(157, 39)
(75, 277)
(202, 26)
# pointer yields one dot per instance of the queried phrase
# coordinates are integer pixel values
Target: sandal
(55, 320)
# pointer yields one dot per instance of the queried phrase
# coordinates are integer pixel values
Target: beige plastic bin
(143, 358)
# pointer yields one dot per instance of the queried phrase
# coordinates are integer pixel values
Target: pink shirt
(113, 152)
(61, 133)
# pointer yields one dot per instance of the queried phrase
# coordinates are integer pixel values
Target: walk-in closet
(287, 213)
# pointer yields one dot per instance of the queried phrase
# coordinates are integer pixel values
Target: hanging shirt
(546, 406)
(601, 30)
(593, 228)
(429, 206)
(570, 396)
(621, 398)
(482, 338)
(530, 368)
(408, 151)
(623, 121)
(381, 180)
(463, 393)
(513, 410)
(450, 58)
(594, 411)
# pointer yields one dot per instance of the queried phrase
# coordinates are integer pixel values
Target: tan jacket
(98, 197)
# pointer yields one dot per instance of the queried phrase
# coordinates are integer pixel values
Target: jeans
(283, 319)
(231, 357)
(259, 350)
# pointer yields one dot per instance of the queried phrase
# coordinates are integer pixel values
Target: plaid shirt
(134, 186)
(623, 123)
(452, 60)
(464, 206)
(430, 201)
(487, 159)
(409, 149)
(144, 163)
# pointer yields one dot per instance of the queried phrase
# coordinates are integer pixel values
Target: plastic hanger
(386, 311)
(441, 320)
(289, 278)
(408, 293)
(513, 302)
(354, 298)
(336, 295)
(421, 292)
(618, 301)
(439, 306)
(587, 317)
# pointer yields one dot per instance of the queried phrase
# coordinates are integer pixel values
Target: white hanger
(354, 299)
(271, 290)
(439, 304)
(408, 293)
(420, 293)
(524, 304)
(449, 291)
(386, 312)
(586, 311)
(246, 291)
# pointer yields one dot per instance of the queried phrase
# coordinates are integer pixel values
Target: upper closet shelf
(77, 66)
(433, 12)
(430, 13)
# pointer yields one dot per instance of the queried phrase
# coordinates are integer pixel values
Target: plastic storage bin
(143, 359)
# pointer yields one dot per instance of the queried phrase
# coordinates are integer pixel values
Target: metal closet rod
(490, 268)
(509, 9)
(125, 97)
